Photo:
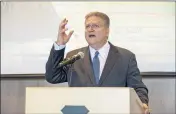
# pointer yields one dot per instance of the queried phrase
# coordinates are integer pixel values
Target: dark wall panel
(13, 95)
(161, 95)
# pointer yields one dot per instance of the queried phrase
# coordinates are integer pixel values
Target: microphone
(72, 59)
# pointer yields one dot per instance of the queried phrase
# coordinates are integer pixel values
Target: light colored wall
(28, 30)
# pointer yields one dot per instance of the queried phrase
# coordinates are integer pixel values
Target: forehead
(94, 19)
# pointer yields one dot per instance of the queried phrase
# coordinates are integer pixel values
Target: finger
(63, 20)
(145, 106)
(62, 25)
(63, 30)
(70, 33)
(147, 111)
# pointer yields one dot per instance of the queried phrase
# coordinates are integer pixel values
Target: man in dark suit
(104, 65)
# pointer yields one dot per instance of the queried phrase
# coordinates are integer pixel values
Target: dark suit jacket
(120, 70)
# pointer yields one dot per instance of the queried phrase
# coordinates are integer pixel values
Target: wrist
(60, 43)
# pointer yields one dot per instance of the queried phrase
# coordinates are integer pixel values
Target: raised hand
(63, 38)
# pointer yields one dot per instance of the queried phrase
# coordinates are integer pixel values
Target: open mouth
(91, 36)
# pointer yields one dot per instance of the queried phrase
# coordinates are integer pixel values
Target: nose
(90, 29)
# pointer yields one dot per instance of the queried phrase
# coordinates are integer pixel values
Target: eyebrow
(93, 23)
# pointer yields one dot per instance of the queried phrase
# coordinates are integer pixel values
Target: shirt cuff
(58, 47)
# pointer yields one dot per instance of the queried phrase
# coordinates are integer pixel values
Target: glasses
(92, 26)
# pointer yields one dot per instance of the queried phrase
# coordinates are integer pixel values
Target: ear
(107, 32)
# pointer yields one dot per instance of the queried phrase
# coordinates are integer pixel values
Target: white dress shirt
(103, 54)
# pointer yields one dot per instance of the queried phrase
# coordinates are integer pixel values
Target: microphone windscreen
(81, 54)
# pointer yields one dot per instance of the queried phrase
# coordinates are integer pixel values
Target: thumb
(70, 33)
(145, 106)
(146, 109)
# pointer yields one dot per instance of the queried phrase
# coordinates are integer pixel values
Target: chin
(91, 42)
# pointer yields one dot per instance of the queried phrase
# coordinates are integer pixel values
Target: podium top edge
(78, 88)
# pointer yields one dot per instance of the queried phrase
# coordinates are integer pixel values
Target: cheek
(100, 34)
(86, 33)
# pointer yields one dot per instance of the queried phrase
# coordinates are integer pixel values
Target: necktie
(96, 66)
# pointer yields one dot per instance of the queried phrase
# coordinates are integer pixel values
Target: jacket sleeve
(54, 74)
(134, 80)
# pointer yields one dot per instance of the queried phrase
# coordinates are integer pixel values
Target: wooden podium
(97, 100)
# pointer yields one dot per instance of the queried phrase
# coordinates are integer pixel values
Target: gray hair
(101, 15)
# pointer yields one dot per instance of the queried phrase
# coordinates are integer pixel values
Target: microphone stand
(70, 70)
(69, 67)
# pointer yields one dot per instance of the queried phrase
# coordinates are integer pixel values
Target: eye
(87, 26)
(95, 26)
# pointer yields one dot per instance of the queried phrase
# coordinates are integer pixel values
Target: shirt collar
(103, 52)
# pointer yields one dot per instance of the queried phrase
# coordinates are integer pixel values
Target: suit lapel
(110, 62)
(88, 66)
